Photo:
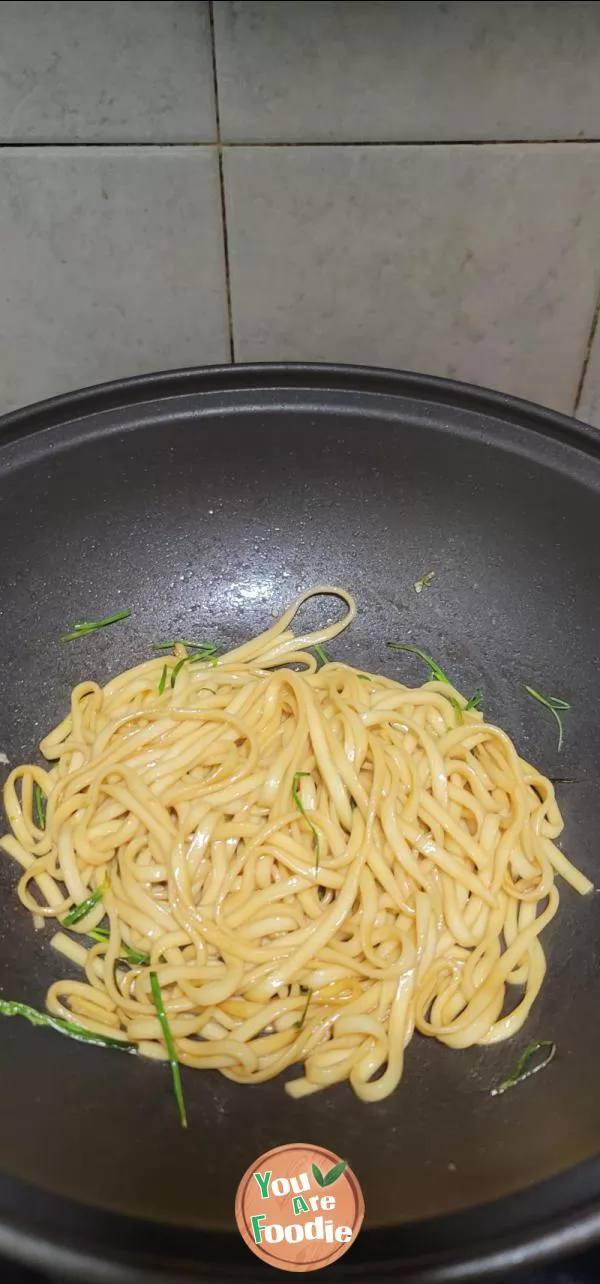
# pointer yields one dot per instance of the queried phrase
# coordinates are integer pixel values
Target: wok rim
(271, 375)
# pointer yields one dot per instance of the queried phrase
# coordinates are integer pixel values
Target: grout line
(419, 142)
(226, 256)
(78, 145)
(213, 48)
(75, 146)
(112, 145)
(414, 143)
(587, 355)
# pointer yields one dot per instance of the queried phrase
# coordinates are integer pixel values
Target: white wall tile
(589, 402)
(111, 265)
(106, 71)
(404, 71)
(481, 263)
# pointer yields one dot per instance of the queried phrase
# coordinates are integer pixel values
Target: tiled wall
(404, 184)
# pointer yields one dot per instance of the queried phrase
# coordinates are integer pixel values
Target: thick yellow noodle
(317, 862)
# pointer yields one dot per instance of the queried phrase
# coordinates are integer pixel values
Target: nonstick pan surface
(205, 501)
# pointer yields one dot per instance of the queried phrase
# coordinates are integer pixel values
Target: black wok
(205, 500)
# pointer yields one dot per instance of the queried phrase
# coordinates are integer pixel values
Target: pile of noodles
(316, 861)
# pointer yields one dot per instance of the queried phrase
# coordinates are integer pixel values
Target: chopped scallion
(79, 911)
(302, 809)
(436, 671)
(555, 706)
(208, 648)
(472, 703)
(170, 1046)
(135, 957)
(90, 626)
(321, 654)
(204, 657)
(425, 582)
(177, 668)
(523, 1070)
(38, 806)
(300, 1023)
(10, 1008)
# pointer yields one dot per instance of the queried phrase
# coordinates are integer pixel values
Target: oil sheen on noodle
(318, 862)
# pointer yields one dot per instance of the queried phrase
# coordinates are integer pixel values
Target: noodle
(315, 862)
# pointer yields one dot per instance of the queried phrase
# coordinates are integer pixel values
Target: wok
(204, 500)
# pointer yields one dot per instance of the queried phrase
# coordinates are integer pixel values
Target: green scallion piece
(79, 911)
(436, 671)
(425, 582)
(321, 654)
(555, 706)
(38, 806)
(207, 648)
(135, 957)
(9, 1007)
(163, 680)
(177, 669)
(170, 1046)
(523, 1070)
(300, 1023)
(302, 809)
(204, 657)
(90, 626)
(472, 703)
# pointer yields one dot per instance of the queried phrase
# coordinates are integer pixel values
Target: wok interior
(210, 522)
